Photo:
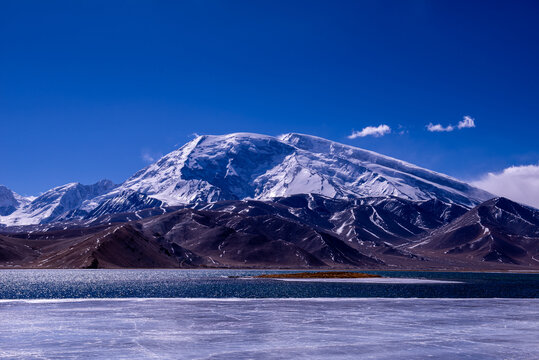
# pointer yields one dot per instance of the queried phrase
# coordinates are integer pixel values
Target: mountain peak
(55, 202)
(307, 142)
(246, 165)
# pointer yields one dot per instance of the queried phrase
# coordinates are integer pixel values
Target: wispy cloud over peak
(375, 131)
(466, 122)
(439, 128)
(149, 157)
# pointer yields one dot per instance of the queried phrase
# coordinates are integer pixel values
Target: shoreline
(498, 271)
(235, 299)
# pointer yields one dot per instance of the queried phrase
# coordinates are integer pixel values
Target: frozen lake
(352, 328)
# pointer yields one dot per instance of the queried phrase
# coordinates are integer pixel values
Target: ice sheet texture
(372, 328)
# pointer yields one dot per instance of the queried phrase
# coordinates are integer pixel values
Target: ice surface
(372, 328)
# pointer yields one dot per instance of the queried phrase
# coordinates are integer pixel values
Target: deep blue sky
(88, 87)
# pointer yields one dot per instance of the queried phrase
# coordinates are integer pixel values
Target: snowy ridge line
(294, 138)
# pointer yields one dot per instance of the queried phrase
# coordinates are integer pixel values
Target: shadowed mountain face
(301, 231)
(8, 202)
(119, 246)
(236, 239)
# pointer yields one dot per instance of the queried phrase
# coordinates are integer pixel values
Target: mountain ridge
(308, 230)
(239, 166)
(54, 203)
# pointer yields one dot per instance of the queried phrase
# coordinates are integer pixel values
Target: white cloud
(375, 131)
(146, 157)
(518, 183)
(467, 122)
(402, 130)
(439, 128)
(149, 157)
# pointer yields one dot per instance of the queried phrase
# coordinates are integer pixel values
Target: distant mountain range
(249, 200)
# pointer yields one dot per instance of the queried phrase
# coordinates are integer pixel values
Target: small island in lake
(320, 275)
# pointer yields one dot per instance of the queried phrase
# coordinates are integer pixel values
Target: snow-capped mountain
(253, 166)
(255, 200)
(244, 166)
(53, 203)
(10, 201)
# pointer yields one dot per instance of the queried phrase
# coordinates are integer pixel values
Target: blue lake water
(39, 284)
(204, 314)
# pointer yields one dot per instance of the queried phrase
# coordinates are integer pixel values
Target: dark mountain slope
(301, 231)
(498, 230)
